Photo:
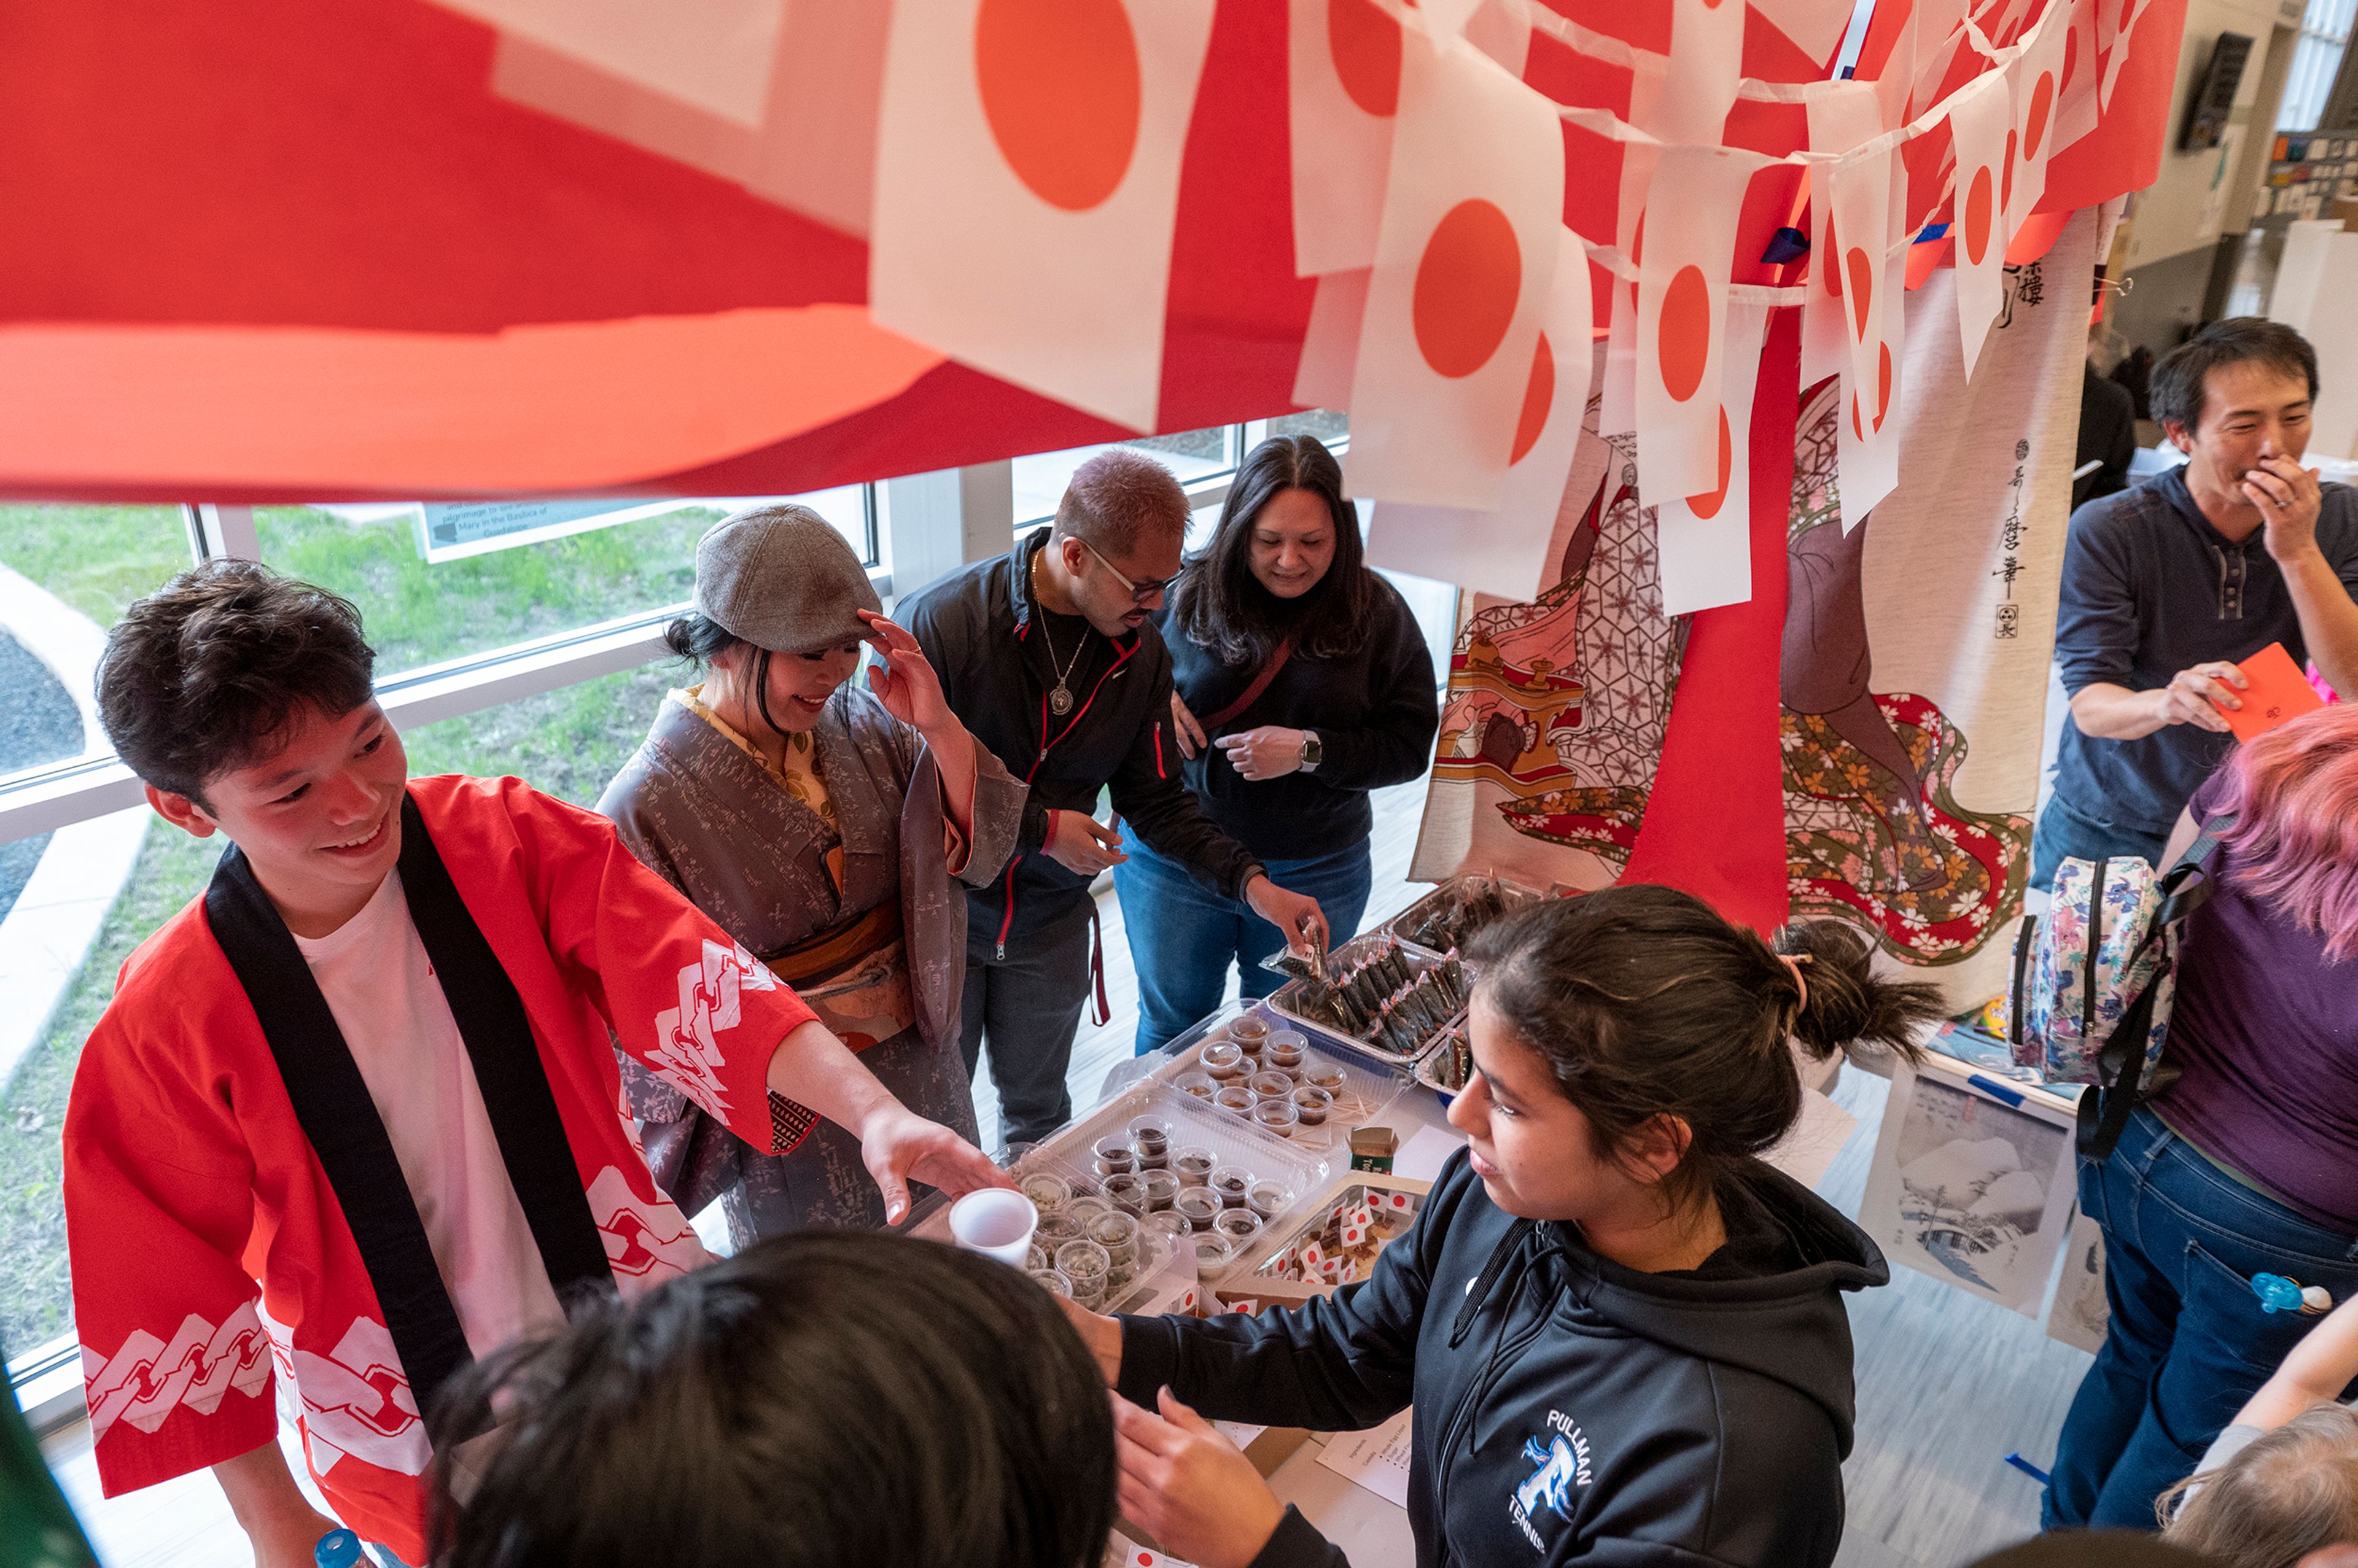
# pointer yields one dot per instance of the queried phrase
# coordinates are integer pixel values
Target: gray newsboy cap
(783, 578)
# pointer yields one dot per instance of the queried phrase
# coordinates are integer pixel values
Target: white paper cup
(997, 1222)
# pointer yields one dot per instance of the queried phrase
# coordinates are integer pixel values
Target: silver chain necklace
(1060, 699)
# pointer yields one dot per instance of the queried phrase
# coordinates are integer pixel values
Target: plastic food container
(1114, 1155)
(1236, 1098)
(1169, 1224)
(1053, 1281)
(1058, 1226)
(1324, 1075)
(1277, 1116)
(1270, 1084)
(1125, 1190)
(1231, 1183)
(1311, 1105)
(1198, 1082)
(1239, 1225)
(1214, 1253)
(1224, 1060)
(1192, 1166)
(1161, 1189)
(1267, 1199)
(1150, 1138)
(1047, 1191)
(1200, 1206)
(1086, 1267)
(1117, 1234)
(1250, 1031)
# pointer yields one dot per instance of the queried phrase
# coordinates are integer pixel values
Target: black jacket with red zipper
(979, 632)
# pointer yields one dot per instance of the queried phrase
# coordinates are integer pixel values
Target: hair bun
(1843, 1000)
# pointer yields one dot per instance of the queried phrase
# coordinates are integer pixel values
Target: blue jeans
(1182, 939)
(2064, 831)
(2188, 1341)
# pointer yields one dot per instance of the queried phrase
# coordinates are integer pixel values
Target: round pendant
(1060, 702)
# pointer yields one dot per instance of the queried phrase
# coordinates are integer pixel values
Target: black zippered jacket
(979, 631)
(1375, 712)
(1568, 1409)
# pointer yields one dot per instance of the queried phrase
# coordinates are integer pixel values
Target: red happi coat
(210, 1257)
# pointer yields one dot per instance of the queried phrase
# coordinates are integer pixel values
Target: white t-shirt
(380, 985)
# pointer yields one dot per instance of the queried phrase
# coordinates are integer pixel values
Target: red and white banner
(1842, 117)
(1978, 115)
(1342, 81)
(1027, 184)
(1685, 255)
(1868, 439)
(1472, 212)
(1508, 552)
(1701, 538)
(1867, 189)
(2037, 79)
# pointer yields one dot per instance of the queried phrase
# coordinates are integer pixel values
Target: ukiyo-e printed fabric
(188, 1178)
(1912, 677)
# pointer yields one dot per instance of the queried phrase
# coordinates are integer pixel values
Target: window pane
(1040, 480)
(420, 611)
(569, 742)
(69, 573)
(1329, 425)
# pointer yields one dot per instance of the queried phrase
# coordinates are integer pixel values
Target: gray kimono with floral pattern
(716, 824)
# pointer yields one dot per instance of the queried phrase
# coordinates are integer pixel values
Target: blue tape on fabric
(1996, 1090)
(1933, 231)
(2028, 1468)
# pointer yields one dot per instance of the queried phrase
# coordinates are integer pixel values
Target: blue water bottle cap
(2277, 1293)
(338, 1548)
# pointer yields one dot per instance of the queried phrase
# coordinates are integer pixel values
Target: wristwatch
(1313, 753)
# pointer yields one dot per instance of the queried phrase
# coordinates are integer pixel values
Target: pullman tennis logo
(1558, 1466)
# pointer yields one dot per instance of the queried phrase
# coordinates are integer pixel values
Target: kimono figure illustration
(1873, 832)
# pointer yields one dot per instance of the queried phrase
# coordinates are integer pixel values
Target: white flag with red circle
(1688, 103)
(1505, 552)
(1343, 70)
(2037, 84)
(1330, 344)
(1702, 540)
(1978, 123)
(1027, 186)
(1867, 444)
(1842, 115)
(1685, 254)
(1472, 212)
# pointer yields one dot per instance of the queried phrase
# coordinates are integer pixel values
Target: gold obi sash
(854, 975)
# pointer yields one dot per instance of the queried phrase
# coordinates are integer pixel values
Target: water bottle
(338, 1548)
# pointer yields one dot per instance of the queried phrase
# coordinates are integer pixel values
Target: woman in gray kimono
(820, 824)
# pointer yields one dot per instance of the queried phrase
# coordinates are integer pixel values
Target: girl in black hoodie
(1622, 1334)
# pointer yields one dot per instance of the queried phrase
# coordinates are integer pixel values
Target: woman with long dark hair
(1301, 682)
(1622, 1334)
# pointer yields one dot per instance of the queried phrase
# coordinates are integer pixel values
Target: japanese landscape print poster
(1912, 677)
(1969, 1189)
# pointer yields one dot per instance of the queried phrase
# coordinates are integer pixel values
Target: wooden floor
(1947, 1385)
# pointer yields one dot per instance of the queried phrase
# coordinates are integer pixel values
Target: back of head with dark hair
(823, 1400)
(204, 674)
(1221, 606)
(2176, 391)
(1118, 497)
(1643, 1002)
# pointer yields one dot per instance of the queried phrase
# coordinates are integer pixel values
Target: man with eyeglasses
(1048, 657)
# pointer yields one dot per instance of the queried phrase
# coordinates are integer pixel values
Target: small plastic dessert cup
(1270, 1084)
(1161, 1188)
(1312, 1103)
(1231, 1183)
(1224, 1060)
(1277, 1116)
(1192, 1166)
(1235, 1099)
(1196, 1082)
(1199, 1206)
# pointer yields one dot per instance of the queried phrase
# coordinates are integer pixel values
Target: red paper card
(2278, 693)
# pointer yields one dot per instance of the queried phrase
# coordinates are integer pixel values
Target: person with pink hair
(2243, 1171)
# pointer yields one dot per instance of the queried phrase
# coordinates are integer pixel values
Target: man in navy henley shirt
(2168, 585)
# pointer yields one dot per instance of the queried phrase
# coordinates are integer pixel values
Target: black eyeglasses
(1140, 592)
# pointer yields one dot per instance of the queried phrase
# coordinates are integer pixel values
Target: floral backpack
(2092, 980)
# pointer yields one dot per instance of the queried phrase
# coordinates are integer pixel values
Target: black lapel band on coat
(332, 1104)
(492, 1021)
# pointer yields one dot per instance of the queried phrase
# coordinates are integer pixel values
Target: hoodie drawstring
(1480, 1290)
